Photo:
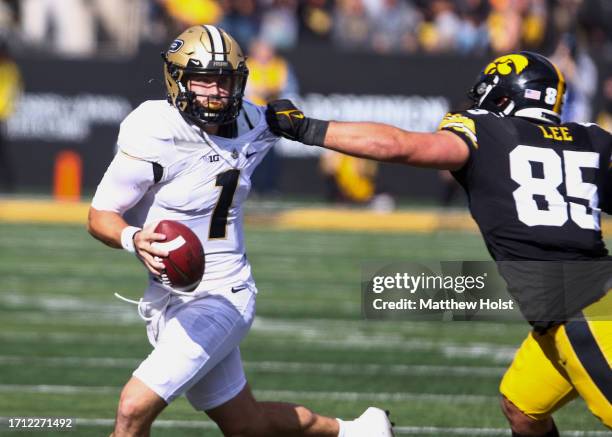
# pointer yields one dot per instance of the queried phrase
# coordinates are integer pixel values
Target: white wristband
(127, 238)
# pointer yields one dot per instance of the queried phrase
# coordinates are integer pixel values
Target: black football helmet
(523, 84)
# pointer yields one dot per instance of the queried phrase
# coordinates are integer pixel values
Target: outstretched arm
(381, 142)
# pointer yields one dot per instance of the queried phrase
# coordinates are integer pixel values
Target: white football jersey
(201, 180)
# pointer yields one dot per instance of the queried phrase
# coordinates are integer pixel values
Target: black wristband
(313, 131)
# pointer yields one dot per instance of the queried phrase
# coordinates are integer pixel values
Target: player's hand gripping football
(146, 250)
(286, 120)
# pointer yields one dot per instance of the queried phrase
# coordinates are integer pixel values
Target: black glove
(288, 121)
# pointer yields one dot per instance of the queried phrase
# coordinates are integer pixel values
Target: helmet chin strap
(509, 108)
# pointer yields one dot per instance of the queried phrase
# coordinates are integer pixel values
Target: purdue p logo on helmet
(205, 51)
(521, 84)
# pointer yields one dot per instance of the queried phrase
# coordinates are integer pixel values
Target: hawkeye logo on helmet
(505, 65)
(176, 44)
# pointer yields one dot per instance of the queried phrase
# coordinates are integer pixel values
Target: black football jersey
(535, 190)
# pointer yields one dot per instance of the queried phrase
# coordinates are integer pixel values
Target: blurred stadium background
(70, 70)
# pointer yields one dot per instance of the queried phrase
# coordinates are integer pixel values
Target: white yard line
(98, 362)
(491, 352)
(501, 354)
(377, 397)
(267, 394)
(57, 389)
(434, 430)
(400, 430)
(272, 366)
(66, 303)
(374, 369)
(67, 337)
(336, 334)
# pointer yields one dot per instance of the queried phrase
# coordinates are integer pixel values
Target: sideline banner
(78, 104)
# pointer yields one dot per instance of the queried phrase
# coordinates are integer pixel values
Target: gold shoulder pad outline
(462, 124)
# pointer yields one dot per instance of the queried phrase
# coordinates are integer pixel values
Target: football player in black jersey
(536, 189)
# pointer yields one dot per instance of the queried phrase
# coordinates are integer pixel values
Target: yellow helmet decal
(505, 65)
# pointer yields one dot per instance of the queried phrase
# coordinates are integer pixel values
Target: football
(185, 261)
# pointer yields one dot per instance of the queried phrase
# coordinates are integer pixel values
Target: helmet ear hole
(481, 88)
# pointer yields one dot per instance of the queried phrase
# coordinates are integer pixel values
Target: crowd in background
(570, 31)
(87, 27)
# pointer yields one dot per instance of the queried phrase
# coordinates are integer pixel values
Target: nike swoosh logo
(248, 155)
(237, 289)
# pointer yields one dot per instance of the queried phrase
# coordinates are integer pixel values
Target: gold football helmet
(209, 53)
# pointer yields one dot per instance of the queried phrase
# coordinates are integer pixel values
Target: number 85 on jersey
(565, 174)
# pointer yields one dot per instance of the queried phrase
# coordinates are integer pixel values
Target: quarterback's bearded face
(211, 91)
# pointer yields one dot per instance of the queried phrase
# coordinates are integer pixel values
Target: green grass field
(67, 345)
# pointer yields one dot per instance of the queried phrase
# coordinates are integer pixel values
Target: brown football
(185, 261)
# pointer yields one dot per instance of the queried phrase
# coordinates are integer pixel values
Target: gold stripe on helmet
(560, 89)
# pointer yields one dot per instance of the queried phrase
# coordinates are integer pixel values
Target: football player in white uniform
(190, 159)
